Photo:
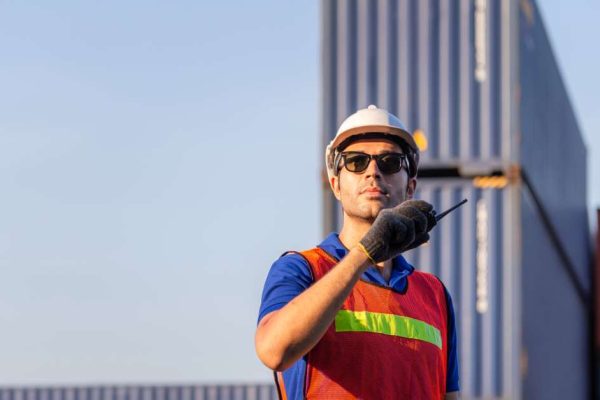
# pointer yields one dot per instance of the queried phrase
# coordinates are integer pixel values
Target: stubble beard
(366, 213)
(369, 211)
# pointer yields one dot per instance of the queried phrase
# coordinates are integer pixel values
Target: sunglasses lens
(357, 162)
(387, 163)
(390, 163)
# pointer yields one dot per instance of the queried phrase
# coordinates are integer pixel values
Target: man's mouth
(372, 190)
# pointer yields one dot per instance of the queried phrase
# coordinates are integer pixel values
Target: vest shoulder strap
(319, 260)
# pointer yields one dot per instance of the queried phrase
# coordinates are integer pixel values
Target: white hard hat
(370, 120)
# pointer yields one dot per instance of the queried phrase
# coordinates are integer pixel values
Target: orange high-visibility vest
(382, 344)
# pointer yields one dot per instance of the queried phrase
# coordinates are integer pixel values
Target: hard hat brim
(402, 134)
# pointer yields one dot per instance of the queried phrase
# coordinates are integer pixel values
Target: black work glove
(398, 229)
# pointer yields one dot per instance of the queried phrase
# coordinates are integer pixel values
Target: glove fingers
(420, 205)
(398, 229)
(419, 240)
(423, 207)
(404, 231)
(416, 215)
(419, 219)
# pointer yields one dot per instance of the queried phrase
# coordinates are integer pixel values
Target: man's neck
(352, 232)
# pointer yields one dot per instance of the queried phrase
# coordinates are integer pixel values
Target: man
(351, 318)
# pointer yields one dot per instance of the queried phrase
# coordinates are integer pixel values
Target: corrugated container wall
(553, 156)
(468, 252)
(444, 66)
(419, 60)
(479, 79)
(552, 151)
(131, 392)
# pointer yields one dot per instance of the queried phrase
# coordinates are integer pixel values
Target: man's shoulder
(292, 262)
(295, 256)
(288, 276)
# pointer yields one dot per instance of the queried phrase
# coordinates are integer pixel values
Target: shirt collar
(400, 267)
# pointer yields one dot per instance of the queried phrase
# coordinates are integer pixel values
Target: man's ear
(411, 186)
(334, 182)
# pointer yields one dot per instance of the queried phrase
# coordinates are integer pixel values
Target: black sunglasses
(388, 163)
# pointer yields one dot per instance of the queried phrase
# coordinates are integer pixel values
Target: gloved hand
(398, 229)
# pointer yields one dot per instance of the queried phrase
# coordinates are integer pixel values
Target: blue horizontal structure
(134, 392)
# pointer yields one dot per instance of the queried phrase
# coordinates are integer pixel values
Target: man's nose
(373, 169)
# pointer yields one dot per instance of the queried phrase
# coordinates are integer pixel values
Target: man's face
(366, 193)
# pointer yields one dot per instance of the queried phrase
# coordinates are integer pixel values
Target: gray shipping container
(479, 78)
(467, 251)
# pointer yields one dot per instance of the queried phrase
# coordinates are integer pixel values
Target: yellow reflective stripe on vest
(387, 324)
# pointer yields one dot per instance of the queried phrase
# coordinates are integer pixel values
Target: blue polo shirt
(290, 275)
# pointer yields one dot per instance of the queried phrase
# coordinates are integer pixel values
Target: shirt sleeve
(452, 367)
(289, 276)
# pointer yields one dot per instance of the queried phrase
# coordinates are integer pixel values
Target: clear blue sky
(155, 158)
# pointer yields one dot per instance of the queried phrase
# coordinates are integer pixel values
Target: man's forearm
(283, 336)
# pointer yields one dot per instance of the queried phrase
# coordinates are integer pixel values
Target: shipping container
(468, 251)
(141, 392)
(479, 80)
